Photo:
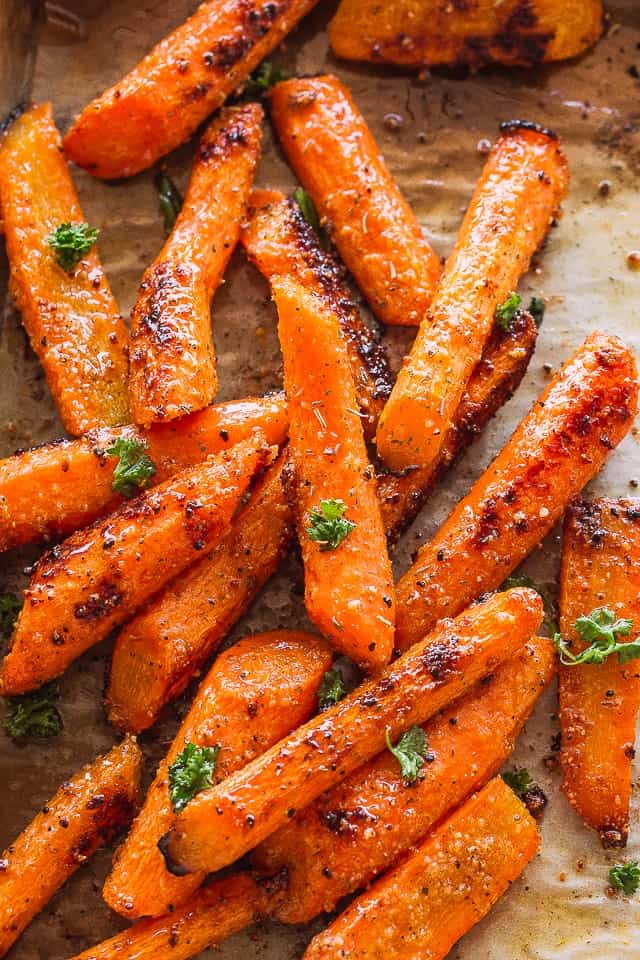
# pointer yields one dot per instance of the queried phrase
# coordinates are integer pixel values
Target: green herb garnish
(550, 611)
(600, 630)
(328, 526)
(190, 773)
(134, 468)
(33, 714)
(170, 200)
(537, 308)
(332, 688)
(71, 241)
(626, 877)
(10, 607)
(520, 780)
(410, 751)
(307, 208)
(506, 311)
(262, 79)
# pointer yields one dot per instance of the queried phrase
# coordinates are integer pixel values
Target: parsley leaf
(520, 780)
(71, 241)
(328, 526)
(550, 609)
(134, 468)
(331, 689)
(262, 79)
(307, 208)
(33, 714)
(626, 877)
(600, 630)
(190, 773)
(169, 198)
(10, 607)
(536, 308)
(410, 751)
(506, 311)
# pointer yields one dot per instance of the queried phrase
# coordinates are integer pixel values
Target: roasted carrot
(333, 153)
(224, 822)
(86, 813)
(54, 489)
(422, 907)
(559, 446)
(188, 75)
(429, 33)
(70, 314)
(159, 651)
(216, 912)
(512, 207)
(173, 363)
(99, 576)
(348, 581)
(255, 693)
(280, 242)
(599, 703)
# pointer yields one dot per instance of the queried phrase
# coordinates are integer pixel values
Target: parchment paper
(559, 909)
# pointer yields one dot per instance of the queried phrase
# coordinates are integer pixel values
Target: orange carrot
(422, 907)
(333, 153)
(173, 364)
(224, 822)
(348, 581)
(99, 576)
(86, 813)
(511, 210)
(70, 315)
(188, 75)
(559, 446)
(599, 703)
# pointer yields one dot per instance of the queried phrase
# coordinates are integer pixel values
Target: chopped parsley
(262, 79)
(537, 308)
(33, 714)
(506, 311)
(190, 773)
(134, 468)
(328, 525)
(332, 689)
(169, 198)
(70, 242)
(307, 208)
(625, 877)
(520, 780)
(410, 751)
(600, 630)
(550, 610)
(10, 607)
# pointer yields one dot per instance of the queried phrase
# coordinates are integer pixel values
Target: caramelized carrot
(348, 581)
(54, 489)
(513, 205)
(86, 813)
(422, 907)
(99, 576)
(333, 153)
(173, 363)
(188, 75)
(224, 822)
(255, 693)
(70, 316)
(599, 703)
(559, 446)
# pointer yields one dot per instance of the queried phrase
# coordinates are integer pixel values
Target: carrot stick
(255, 693)
(224, 822)
(348, 581)
(559, 446)
(70, 316)
(280, 242)
(99, 576)
(173, 363)
(158, 651)
(513, 205)
(333, 153)
(188, 75)
(599, 703)
(52, 490)
(422, 907)
(350, 834)
(86, 813)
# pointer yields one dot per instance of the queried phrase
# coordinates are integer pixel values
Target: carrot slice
(513, 205)
(173, 363)
(348, 581)
(255, 693)
(224, 822)
(52, 490)
(188, 75)
(280, 242)
(71, 317)
(87, 812)
(99, 576)
(333, 153)
(599, 703)
(560, 445)
(422, 907)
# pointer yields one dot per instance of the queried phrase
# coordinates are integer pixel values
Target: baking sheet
(559, 909)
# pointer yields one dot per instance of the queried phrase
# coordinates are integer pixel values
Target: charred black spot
(441, 659)
(346, 822)
(230, 136)
(535, 800)
(172, 866)
(584, 518)
(112, 816)
(198, 92)
(512, 126)
(487, 525)
(105, 598)
(258, 20)
(612, 838)
(522, 17)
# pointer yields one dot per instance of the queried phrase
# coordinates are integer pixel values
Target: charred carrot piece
(422, 907)
(599, 703)
(428, 33)
(280, 242)
(87, 812)
(256, 693)
(158, 652)
(333, 153)
(559, 446)
(173, 363)
(224, 822)
(69, 312)
(347, 572)
(513, 205)
(99, 576)
(54, 489)
(188, 75)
